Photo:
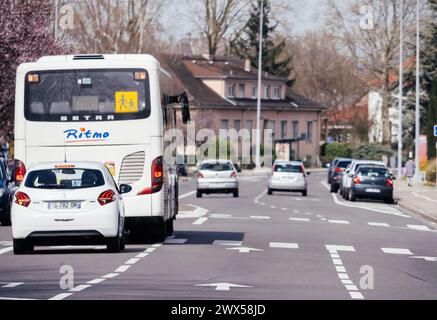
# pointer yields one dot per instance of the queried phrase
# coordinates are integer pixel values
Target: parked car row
(361, 179)
(5, 193)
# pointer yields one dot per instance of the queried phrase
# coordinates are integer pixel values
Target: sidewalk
(419, 199)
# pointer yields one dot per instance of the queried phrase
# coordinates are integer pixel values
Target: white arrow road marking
(227, 243)
(397, 251)
(13, 285)
(244, 249)
(6, 250)
(222, 286)
(431, 259)
(284, 245)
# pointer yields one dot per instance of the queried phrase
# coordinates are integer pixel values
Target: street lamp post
(401, 83)
(417, 133)
(258, 106)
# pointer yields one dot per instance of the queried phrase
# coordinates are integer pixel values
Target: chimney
(247, 65)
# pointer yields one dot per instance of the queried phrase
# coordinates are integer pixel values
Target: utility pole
(258, 105)
(417, 162)
(401, 91)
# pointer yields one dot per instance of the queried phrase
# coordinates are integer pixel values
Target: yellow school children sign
(126, 101)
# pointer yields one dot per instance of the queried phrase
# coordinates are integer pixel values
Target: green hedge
(370, 151)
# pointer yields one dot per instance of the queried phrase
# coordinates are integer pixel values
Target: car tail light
(20, 171)
(157, 177)
(389, 182)
(199, 175)
(338, 169)
(357, 180)
(233, 174)
(22, 199)
(106, 197)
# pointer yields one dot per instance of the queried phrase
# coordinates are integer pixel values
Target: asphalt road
(283, 246)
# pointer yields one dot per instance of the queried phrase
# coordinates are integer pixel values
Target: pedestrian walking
(410, 169)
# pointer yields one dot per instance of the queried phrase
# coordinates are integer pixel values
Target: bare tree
(118, 26)
(369, 30)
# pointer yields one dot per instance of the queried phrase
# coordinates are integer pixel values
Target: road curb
(416, 211)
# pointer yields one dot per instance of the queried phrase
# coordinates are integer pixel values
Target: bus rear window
(87, 95)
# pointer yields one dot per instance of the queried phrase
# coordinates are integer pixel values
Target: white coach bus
(112, 109)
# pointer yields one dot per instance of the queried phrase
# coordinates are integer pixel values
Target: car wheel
(21, 246)
(199, 194)
(123, 243)
(345, 194)
(236, 194)
(333, 189)
(5, 221)
(305, 193)
(269, 191)
(114, 244)
(389, 200)
(340, 191)
(352, 197)
(170, 227)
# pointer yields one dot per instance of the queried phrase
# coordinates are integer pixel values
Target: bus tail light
(157, 177)
(20, 171)
(106, 197)
(22, 199)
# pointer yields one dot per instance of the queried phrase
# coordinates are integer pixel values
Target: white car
(288, 176)
(216, 176)
(346, 179)
(70, 203)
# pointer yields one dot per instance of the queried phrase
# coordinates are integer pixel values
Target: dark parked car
(337, 171)
(5, 193)
(372, 182)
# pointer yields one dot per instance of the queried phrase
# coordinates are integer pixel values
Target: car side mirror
(125, 188)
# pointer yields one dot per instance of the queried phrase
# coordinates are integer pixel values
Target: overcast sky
(308, 15)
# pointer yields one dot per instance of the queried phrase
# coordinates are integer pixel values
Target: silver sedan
(288, 176)
(217, 176)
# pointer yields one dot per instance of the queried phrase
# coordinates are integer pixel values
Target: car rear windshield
(343, 164)
(376, 172)
(64, 179)
(216, 167)
(283, 167)
(87, 95)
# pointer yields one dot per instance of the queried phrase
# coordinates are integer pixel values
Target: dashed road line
(260, 217)
(111, 275)
(220, 216)
(338, 221)
(397, 251)
(418, 227)
(430, 259)
(284, 245)
(200, 221)
(227, 243)
(299, 219)
(378, 224)
(96, 281)
(61, 296)
(80, 288)
(12, 284)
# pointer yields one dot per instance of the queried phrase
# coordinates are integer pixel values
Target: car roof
(215, 161)
(368, 161)
(293, 162)
(76, 164)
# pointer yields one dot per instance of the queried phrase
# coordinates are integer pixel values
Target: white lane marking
(262, 203)
(13, 299)
(319, 216)
(122, 268)
(13, 285)
(351, 287)
(132, 261)
(142, 255)
(260, 217)
(150, 250)
(341, 203)
(244, 249)
(272, 207)
(418, 227)
(335, 256)
(174, 241)
(334, 248)
(309, 213)
(338, 221)
(397, 251)
(157, 245)
(284, 209)
(220, 216)
(80, 288)
(323, 219)
(196, 213)
(430, 259)
(356, 295)
(96, 281)
(2, 251)
(187, 194)
(299, 219)
(295, 211)
(227, 243)
(111, 275)
(424, 197)
(222, 286)
(61, 296)
(337, 262)
(347, 281)
(256, 200)
(284, 245)
(378, 224)
(340, 269)
(200, 221)
(343, 276)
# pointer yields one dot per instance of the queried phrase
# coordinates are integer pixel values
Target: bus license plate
(64, 205)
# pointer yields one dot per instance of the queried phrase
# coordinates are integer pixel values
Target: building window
(254, 92)
(283, 129)
(277, 92)
(237, 124)
(271, 124)
(295, 129)
(241, 90)
(231, 90)
(224, 124)
(309, 130)
(267, 93)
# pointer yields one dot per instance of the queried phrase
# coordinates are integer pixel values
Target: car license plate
(373, 190)
(219, 185)
(64, 205)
